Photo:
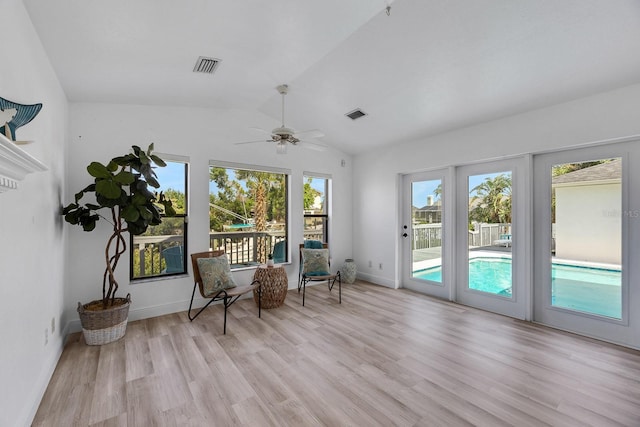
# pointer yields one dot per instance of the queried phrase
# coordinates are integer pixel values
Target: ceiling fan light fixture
(281, 147)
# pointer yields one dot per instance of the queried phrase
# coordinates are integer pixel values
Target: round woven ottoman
(273, 284)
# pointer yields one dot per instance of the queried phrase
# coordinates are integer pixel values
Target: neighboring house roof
(434, 208)
(609, 171)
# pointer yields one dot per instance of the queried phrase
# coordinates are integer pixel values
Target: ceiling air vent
(356, 114)
(206, 65)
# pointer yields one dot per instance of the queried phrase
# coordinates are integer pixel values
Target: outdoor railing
(243, 247)
(240, 246)
(485, 234)
(427, 236)
(147, 250)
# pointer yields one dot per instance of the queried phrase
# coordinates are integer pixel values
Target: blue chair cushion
(313, 244)
(173, 260)
(279, 249)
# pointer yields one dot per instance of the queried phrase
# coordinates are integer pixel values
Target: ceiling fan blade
(260, 130)
(252, 142)
(312, 133)
(314, 145)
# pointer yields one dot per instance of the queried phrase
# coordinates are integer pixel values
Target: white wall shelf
(15, 164)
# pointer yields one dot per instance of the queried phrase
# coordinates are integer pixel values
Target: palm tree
(492, 200)
(259, 183)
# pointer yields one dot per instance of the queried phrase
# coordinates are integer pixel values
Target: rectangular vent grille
(206, 65)
(356, 114)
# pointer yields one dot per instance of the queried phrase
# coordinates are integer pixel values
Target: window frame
(325, 207)
(168, 158)
(254, 263)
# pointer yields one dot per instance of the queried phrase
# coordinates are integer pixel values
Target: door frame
(610, 329)
(443, 289)
(519, 305)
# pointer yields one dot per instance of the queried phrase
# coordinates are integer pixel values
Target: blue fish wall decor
(14, 115)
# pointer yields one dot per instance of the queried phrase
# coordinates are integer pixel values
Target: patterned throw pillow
(315, 262)
(216, 274)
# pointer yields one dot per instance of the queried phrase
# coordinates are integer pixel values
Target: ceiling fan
(284, 135)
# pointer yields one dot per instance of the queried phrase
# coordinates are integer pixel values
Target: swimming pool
(587, 289)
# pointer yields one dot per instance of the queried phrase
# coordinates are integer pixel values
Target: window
(316, 211)
(162, 249)
(248, 213)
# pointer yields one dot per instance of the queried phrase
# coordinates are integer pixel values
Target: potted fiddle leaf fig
(121, 196)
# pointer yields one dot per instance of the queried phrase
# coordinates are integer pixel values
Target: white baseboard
(43, 382)
(140, 313)
(382, 281)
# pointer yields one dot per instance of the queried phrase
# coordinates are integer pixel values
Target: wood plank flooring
(382, 358)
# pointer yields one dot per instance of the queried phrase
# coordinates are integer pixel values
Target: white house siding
(588, 222)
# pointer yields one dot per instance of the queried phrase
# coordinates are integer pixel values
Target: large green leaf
(123, 160)
(108, 189)
(98, 170)
(69, 208)
(153, 182)
(89, 223)
(145, 213)
(125, 178)
(138, 199)
(112, 166)
(130, 213)
(107, 203)
(142, 190)
(144, 159)
(73, 216)
(158, 161)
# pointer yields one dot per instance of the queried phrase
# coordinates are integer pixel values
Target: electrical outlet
(53, 325)
(380, 266)
(46, 336)
(370, 264)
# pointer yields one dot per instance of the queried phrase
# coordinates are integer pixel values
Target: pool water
(587, 289)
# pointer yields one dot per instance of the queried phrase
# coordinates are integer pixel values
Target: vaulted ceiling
(426, 67)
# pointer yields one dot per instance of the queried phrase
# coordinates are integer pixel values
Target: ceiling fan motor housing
(284, 134)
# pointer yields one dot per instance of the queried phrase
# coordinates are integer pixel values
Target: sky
(171, 176)
(421, 189)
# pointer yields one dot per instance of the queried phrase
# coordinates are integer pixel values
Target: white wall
(32, 250)
(99, 132)
(589, 223)
(376, 174)
(605, 116)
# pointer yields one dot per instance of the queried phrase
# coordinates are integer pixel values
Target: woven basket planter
(104, 326)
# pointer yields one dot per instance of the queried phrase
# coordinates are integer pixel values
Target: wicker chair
(304, 278)
(227, 296)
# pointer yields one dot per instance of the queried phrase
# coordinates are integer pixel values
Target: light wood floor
(384, 357)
